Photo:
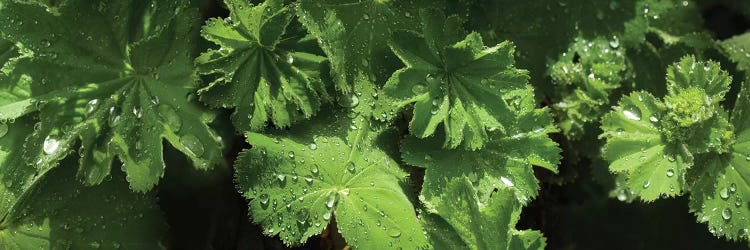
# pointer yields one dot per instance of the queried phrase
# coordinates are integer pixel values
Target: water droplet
(348, 101)
(724, 193)
(192, 144)
(733, 187)
(302, 215)
(92, 105)
(281, 177)
(46, 43)
(264, 199)
(309, 180)
(670, 172)
(646, 184)
(137, 112)
(726, 213)
(313, 146)
(331, 200)
(289, 59)
(315, 170)
(738, 202)
(327, 216)
(632, 115)
(350, 167)
(393, 232)
(642, 158)
(51, 145)
(291, 154)
(506, 181)
(653, 119)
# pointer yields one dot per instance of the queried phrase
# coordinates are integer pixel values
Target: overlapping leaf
(467, 222)
(329, 168)
(653, 143)
(266, 67)
(354, 36)
(116, 77)
(53, 210)
(456, 82)
(506, 161)
(586, 75)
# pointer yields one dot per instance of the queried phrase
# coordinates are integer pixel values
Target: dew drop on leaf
(646, 184)
(331, 200)
(291, 154)
(733, 187)
(313, 146)
(506, 181)
(393, 232)
(726, 213)
(348, 101)
(350, 167)
(670, 172)
(302, 215)
(327, 215)
(92, 105)
(632, 115)
(192, 144)
(315, 169)
(263, 199)
(51, 145)
(724, 193)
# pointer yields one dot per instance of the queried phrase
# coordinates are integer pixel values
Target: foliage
(367, 124)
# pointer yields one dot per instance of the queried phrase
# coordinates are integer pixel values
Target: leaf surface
(329, 168)
(116, 77)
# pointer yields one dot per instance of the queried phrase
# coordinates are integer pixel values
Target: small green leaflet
(330, 167)
(263, 68)
(466, 222)
(116, 76)
(506, 161)
(52, 210)
(585, 76)
(455, 81)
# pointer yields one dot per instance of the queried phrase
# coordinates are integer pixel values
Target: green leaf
(721, 190)
(653, 143)
(53, 210)
(117, 77)
(553, 25)
(506, 161)
(354, 35)
(585, 76)
(331, 167)
(461, 85)
(636, 148)
(262, 69)
(485, 225)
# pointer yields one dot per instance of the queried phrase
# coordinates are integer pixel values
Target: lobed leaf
(462, 85)
(116, 77)
(53, 210)
(331, 168)
(262, 67)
